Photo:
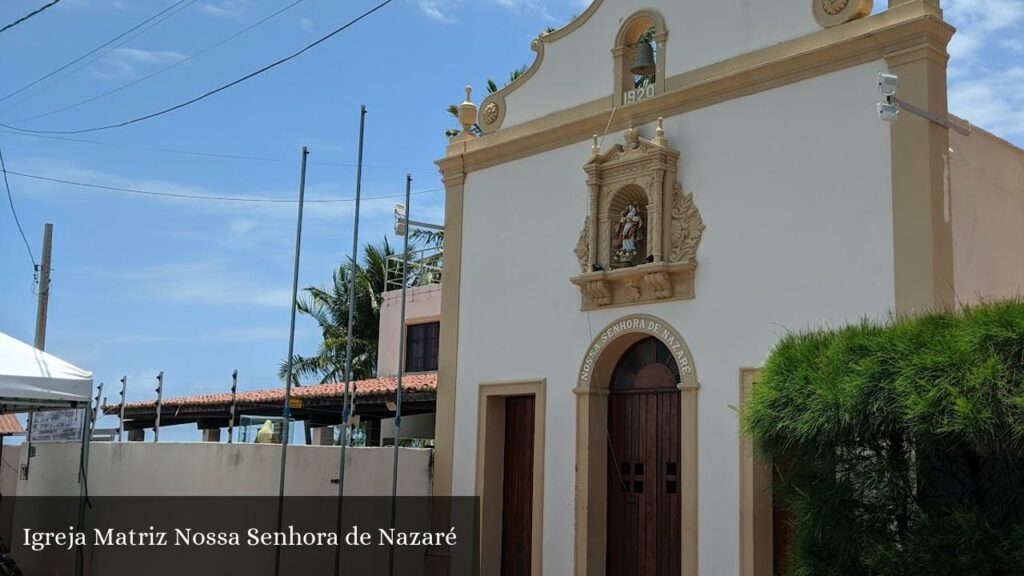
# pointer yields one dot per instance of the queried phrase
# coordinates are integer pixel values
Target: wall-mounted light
(889, 110)
(888, 84)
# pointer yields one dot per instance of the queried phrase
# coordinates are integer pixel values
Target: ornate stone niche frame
(641, 171)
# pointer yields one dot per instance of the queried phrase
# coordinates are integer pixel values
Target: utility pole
(44, 288)
(41, 309)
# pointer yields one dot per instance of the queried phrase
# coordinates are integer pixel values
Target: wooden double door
(644, 500)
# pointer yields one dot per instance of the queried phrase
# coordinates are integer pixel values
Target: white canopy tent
(32, 380)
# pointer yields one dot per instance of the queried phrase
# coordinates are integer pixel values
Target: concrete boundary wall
(206, 469)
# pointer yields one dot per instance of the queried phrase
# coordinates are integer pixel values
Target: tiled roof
(426, 382)
(9, 425)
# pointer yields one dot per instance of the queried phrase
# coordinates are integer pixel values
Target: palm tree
(329, 306)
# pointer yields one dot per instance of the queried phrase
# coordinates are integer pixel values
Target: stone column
(655, 216)
(922, 221)
(594, 222)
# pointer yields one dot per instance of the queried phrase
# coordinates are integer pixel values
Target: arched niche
(628, 207)
(591, 392)
(624, 53)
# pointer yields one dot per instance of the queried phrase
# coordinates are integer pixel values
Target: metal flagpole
(83, 486)
(346, 408)
(234, 396)
(159, 405)
(401, 372)
(120, 424)
(291, 351)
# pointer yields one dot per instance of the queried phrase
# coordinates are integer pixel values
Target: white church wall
(794, 185)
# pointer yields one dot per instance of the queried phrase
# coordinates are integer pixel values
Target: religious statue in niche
(629, 236)
(641, 230)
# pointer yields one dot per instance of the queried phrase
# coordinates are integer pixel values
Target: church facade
(669, 188)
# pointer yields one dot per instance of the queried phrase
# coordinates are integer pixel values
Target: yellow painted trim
(447, 361)
(825, 51)
(922, 208)
(591, 433)
(756, 546)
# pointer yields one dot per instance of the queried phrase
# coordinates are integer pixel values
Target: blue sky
(197, 289)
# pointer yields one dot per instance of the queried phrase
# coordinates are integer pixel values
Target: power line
(96, 49)
(10, 198)
(198, 196)
(29, 15)
(121, 41)
(206, 154)
(164, 69)
(215, 90)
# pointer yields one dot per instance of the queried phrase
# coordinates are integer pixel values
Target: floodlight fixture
(888, 112)
(888, 84)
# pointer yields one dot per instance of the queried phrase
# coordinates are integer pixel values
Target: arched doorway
(637, 355)
(643, 518)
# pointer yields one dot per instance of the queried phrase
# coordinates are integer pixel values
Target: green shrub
(899, 447)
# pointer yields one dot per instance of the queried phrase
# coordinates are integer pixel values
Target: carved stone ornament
(641, 233)
(490, 115)
(831, 13)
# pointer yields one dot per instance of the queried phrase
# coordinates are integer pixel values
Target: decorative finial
(595, 150)
(632, 136)
(659, 137)
(467, 115)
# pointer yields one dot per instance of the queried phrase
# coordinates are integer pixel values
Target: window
(421, 341)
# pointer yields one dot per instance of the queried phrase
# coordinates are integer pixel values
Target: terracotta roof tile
(426, 382)
(9, 425)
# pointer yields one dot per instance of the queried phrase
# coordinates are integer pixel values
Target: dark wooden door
(644, 506)
(517, 487)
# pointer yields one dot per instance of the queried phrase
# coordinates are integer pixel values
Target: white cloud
(234, 9)
(994, 101)
(202, 283)
(977, 21)
(985, 86)
(444, 10)
(242, 226)
(436, 9)
(122, 62)
(246, 334)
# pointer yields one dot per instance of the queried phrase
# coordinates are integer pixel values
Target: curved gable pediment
(586, 62)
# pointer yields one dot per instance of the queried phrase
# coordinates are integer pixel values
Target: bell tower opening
(639, 54)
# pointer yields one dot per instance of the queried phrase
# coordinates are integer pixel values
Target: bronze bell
(644, 64)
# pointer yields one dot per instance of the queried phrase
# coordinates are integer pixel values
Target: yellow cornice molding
(903, 28)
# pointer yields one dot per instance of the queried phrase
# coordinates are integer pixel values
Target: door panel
(517, 487)
(644, 507)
